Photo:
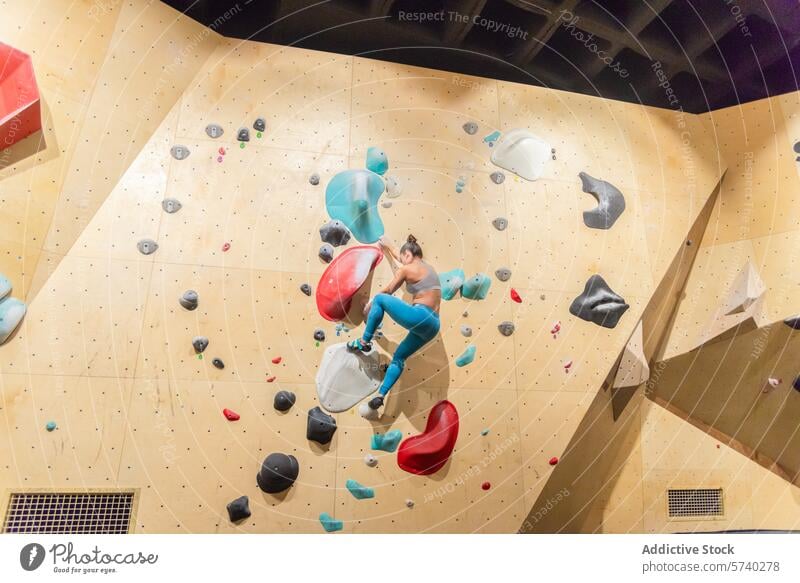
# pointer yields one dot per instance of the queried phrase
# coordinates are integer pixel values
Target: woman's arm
(386, 243)
(396, 282)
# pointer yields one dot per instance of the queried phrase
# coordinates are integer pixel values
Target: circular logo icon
(31, 556)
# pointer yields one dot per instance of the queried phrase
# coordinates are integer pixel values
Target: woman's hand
(385, 242)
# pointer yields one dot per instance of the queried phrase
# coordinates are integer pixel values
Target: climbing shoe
(359, 344)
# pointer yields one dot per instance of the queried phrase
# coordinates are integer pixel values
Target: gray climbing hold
(466, 331)
(278, 472)
(260, 125)
(319, 335)
(284, 400)
(314, 179)
(189, 300)
(793, 322)
(497, 177)
(471, 128)
(239, 509)
(387, 204)
(326, 253)
(598, 304)
(409, 503)
(217, 362)
(320, 426)
(180, 152)
(503, 274)
(500, 223)
(243, 135)
(171, 205)
(147, 246)
(214, 130)
(506, 328)
(306, 289)
(335, 233)
(610, 202)
(200, 343)
(370, 460)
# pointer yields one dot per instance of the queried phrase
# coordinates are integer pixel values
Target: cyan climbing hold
(329, 524)
(171, 205)
(377, 161)
(239, 509)
(5, 286)
(358, 491)
(147, 246)
(387, 441)
(470, 127)
(466, 331)
(610, 202)
(352, 197)
(51, 426)
(393, 186)
(189, 300)
(503, 274)
(243, 135)
(451, 282)
(260, 125)
(506, 328)
(467, 356)
(326, 252)
(314, 179)
(598, 303)
(491, 138)
(200, 343)
(335, 233)
(12, 311)
(214, 130)
(497, 177)
(179, 152)
(476, 287)
(305, 288)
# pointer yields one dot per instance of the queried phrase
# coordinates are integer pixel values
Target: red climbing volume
(427, 452)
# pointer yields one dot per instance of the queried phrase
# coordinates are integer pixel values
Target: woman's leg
(401, 312)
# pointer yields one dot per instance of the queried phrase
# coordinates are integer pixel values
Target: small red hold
(553, 461)
(515, 296)
(567, 366)
(556, 329)
(226, 247)
(486, 485)
(230, 415)
(270, 379)
(221, 151)
(277, 360)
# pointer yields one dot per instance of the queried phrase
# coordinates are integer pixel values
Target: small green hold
(329, 524)
(199, 357)
(51, 425)
(241, 145)
(258, 134)
(317, 344)
(485, 432)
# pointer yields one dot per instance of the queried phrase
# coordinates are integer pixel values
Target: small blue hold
(387, 441)
(329, 523)
(51, 425)
(476, 287)
(491, 138)
(377, 161)
(467, 356)
(451, 282)
(358, 491)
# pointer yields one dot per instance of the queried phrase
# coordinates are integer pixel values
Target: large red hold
(343, 278)
(427, 452)
(20, 106)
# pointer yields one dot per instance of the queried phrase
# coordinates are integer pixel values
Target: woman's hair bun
(412, 239)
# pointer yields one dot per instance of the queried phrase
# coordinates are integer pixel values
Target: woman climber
(420, 318)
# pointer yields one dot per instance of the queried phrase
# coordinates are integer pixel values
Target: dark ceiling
(694, 54)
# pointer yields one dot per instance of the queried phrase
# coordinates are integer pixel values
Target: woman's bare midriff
(431, 298)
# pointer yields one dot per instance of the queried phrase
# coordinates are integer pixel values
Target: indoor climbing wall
(105, 352)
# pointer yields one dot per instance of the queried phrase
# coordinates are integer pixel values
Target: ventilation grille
(54, 513)
(695, 503)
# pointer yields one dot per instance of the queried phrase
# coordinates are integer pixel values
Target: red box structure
(20, 106)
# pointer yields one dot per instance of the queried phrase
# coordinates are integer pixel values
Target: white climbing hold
(147, 246)
(171, 205)
(214, 130)
(522, 153)
(393, 186)
(180, 152)
(346, 377)
(370, 460)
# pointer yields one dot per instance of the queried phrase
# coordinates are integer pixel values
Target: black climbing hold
(497, 177)
(260, 125)
(243, 135)
(189, 300)
(239, 509)
(500, 223)
(278, 472)
(284, 400)
(218, 363)
(610, 202)
(598, 304)
(321, 427)
(200, 343)
(314, 179)
(793, 322)
(688, 242)
(171, 205)
(335, 233)
(503, 274)
(506, 328)
(306, 289)
(471, 128)
(326, 253)
(319, 335)
(147, 246)
(214, 130)
(796, 383)
(179, 152)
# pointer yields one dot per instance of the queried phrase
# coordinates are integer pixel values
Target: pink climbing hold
(226, 247)
(270, 379)
(219, 159)
(230, 415)
(515, 296)
(556, 329)
(221, 151)
(343, 278)
(567, 366)
(277, 360)
(486, 486)
(553, 460)
(427, 452)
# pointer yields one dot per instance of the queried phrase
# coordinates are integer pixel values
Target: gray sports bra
(429, 282)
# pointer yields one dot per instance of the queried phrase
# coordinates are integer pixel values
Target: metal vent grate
(59, 513)
(695, 502)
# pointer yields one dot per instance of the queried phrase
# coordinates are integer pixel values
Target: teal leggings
(421, 322)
